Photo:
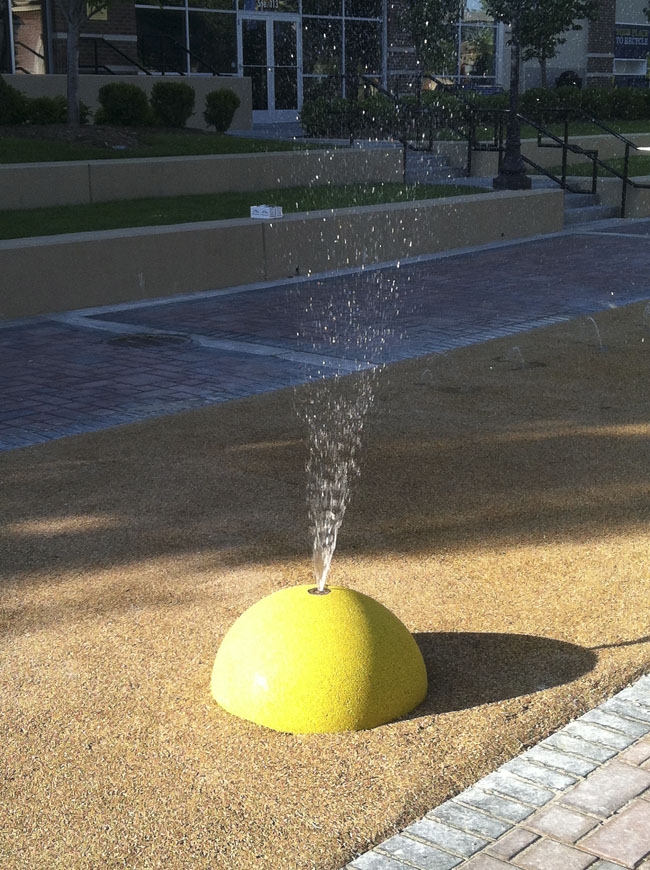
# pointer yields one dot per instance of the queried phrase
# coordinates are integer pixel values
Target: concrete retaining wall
(32, 185)
(55, 85)
(50, 274)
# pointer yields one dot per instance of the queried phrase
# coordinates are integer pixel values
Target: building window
(477, 54)
(161, 39)
(213, 42)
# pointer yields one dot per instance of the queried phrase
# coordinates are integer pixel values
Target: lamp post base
(511, 181)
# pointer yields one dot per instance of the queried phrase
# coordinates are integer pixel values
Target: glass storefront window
(218, 5)
(477, 57)
(322, 7)
(321, 46)
(362, 48)
(161, 39)
(363, 8)
(213, 42)
(321, 86)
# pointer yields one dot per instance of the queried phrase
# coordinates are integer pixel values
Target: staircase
(582, 208)
(425, 167)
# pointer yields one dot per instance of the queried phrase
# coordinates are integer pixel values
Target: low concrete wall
(321, 241)
(33, 185)
(53, 85)
(637, 198)
(50, 274)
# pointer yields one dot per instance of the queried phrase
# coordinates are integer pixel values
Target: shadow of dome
(467, 669)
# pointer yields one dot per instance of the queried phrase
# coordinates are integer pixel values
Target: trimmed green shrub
(172, 103)
(629, 104)
(598, 102)
(379, 116)
(448, 108)
(570, 98)
(47, 110)
(13, 104)
(536, 103)
(496, 102)
(123, 104)
(336, 118)
(316, 115)
(376, 115)
(220, 108)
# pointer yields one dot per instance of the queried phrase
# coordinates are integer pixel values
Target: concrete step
(580, 200)
(427, 168)
(589, 213)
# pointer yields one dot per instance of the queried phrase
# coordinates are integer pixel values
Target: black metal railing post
(470, 143)
(626, 171)
(565, 150)
(594, 174)
(96, 56)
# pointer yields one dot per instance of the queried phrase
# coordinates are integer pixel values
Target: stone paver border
(579, 799)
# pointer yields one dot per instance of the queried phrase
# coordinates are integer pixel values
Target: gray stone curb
(449, 835)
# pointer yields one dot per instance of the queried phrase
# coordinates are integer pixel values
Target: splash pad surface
(502, 514)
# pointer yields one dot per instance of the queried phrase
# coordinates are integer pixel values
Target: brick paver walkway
(67, 374)
(580, 798)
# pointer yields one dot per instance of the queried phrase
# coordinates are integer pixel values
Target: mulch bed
(95, 136)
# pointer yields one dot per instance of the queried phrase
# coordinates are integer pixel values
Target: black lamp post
(512, 175)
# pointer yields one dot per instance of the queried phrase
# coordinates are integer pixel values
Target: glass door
(285, 69)
(270, 56)
(254, 60)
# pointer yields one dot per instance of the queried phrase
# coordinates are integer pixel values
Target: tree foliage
(542, 24)
(431, 25)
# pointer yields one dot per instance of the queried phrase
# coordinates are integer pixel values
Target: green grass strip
(638, 165)
(210, 207)
(19, 150)
(181, 144)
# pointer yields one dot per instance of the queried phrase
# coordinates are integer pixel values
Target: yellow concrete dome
(308, 663)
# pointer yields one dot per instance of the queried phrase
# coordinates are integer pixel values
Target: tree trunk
(72, 57)
(543, 70)
(512, 175)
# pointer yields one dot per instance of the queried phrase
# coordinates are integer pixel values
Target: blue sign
(632, 40)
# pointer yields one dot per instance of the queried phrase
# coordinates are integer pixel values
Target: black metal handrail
(475, 116)
(171, 41)
(100, 39)
(566, 146)
(556, 142)
(29, 48)
(624, 176)
(593, 154)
